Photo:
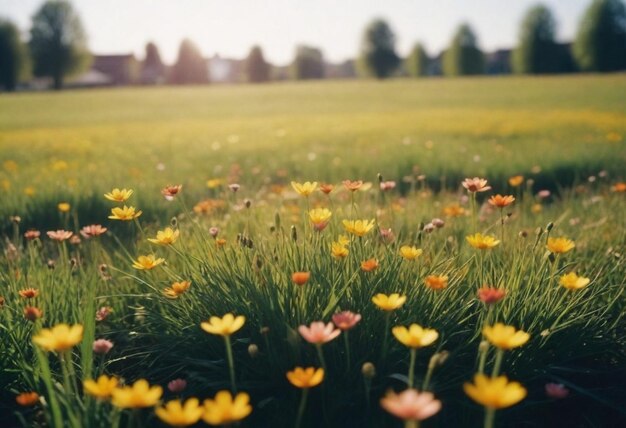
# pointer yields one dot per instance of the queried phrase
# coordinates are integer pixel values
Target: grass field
(239, 248)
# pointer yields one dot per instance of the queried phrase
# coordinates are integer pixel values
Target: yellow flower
(214, 182)
(338, 250)
(410, 253)
(102, 388)
(304, 189)
(388, 303)
(224, 326)
(494, 393)
(165, 237)
(177, 414)
(305, 378)
(482, 242)
(560, 245)
(139, 395)
(516, 180)
(343, 240)
(125, 213)
(571, 281)
(147, 262)
(415, 336)
(224, 409)
(118, 195)
(320, 216)
(358, 227)
(505, 336)
(63, 207)
(59, 338)
(177, 289)
(29, 191)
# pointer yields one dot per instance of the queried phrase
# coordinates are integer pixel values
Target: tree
(257, 70)
(463, 57)
(378, 53)
(58, 43)
(13, 57)
(152, 68)
(537, 51)
(417, 62)
(308, 63)
(190, 66)
(600, 43)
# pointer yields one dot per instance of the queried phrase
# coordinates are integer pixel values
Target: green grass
(74, 146)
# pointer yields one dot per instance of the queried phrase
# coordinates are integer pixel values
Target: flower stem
(301, 407)
(412, 367)
(347, 343)
(498, 364)
(320, 355)
(490, 416)
(231, 364)
(386, 336)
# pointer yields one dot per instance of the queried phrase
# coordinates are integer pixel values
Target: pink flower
(476, 184)
(102, 346)
(59, 235)
(387, 185)
(556, 390)
(177, 386)
(214, 231)
(438, 223)
(543, 194)
(32, 234)
(346, 320)
(411, 405)
(92, 230)
(103, 313)
(234, 187)
(318, 332)
(387, 235)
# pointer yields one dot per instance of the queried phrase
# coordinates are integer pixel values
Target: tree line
(57, 48)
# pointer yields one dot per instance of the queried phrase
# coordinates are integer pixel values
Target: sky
(230, 27)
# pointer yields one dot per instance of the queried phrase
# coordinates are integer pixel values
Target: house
(121, 69)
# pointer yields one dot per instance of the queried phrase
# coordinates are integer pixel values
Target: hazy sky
(230, 27)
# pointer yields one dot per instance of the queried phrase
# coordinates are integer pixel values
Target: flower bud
(253, 350)
(369, 370)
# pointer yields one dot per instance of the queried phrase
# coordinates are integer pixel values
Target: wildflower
(32, 234)
(176, 386)
(305, 378)
(103, 313)
(169, 192)
(410, 253)
(454, 210)
(225, 409)
(92, 230)
(358, 227)
(494, 393)
(234, 187)
(27, 399)
(476, 185)
(369, 265)
(556, 390)
(214, 231)
(136, 396)
(220, 242)
(75, 240)
(338, 250)
(428, 228)
(224, 326)
(501, 201)
(300, 278)
(386, 235)
(214, 183)
(318, 332)
(59, 235)
(304, 189)
(415, 336)
(28, 293)
(117, 195)
(102, 346)
(387, 185)
(165, 237)
(536, 208)
(177, 414)
(63, 207)
(489, 295)
(59, 338)
(32, 313)
(619, 187)
(482, 242)
(411, 405)
(352, 185)
(543, 194)
(125, 213)
(368, 370)
(505, 336)
(516, 180)
(389, 303)
(560, 245)
(346, 320)
(177, 289)
(326, 188)
(319, 217)
(147, 262)
(101, 388)
(438, 223)
(436, 282)
(571, 281)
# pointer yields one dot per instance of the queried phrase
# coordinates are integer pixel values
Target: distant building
(343, 70)
(121, 69)
(225, 70)
(498, 62)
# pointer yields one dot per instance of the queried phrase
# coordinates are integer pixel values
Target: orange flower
(326, 188)
(501, 201)
(305, 377)
(489, 295)
(454, 210)
(619, 187)
(170, 191)
(352, 185)
(31, 313)
(177, 289)
(436, 282)
(369, 265)
(27, 399)
(516, 180)
(300, 278)
(29, 293)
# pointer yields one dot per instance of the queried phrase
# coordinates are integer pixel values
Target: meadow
(212, 291)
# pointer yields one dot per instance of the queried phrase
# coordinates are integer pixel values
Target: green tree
(58, 43)
(152, 68)
(308, 63)
(13, 56)
(256, 68)
(190, 67)
(463, 57)
(537, 51)
(600, 43)
(378, 53)
(417, 61)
